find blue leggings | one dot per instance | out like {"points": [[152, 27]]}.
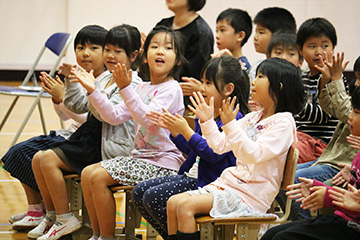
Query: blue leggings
{"points": [[150, 198]]}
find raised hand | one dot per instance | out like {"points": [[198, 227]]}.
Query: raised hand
{"points": [[203, 111], [315, 200], [348, 199], [121, 76], [336, 66], [54, 87], [343, 176], [84, 78], [354, 141], [156, 119], [190, 85], [227, 111], [300, 190], [65, 69], [324, 69]]}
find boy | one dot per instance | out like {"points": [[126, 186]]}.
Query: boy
{"points": [[233, 29], [267, 22]]}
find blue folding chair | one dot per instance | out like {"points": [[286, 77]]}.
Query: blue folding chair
{"points": [[56, 43]]}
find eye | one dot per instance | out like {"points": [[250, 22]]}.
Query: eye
{"points": [[277, 53], [79, 47], [95, 47], [107, 50], [325, 46]]}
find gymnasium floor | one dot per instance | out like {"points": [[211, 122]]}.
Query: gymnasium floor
{"points": [[12, 197]]}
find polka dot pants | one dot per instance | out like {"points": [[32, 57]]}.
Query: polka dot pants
{"points": [[150, 198]]}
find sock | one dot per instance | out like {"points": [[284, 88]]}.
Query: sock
{"points": [[95, 236], [63, 218], [35, 210], [51, 216], [188, 236], [105, 238], [172, 237]]}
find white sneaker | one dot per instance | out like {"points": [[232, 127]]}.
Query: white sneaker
{"points": [[60, 229], [18, 217], [41, 229], [26, 223]]}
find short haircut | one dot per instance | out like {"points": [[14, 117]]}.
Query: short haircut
{"points": [[287, 40], [239, 20], [276, 19], [126, 37], [179, 48], [357, 65], [285, 84], [316, 27], [196, 5], [355, 98], [90, 34], [224, 70]]}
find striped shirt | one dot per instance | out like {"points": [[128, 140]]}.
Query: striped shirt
{"points": [[312, 119]]}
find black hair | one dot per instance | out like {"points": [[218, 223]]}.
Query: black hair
{"points": [[179, 48], [276, 19], [224, 70], [355, 98], [357, 65], [196, 5], [90, 34], [286, 40], [285, 84], [126, 37], [316, 27], [239, 20]]}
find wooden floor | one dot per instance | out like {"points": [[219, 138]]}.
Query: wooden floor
{"points": [[12, 197]]}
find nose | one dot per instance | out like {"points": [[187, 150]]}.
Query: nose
{"points": [[357, 82], [256, 37], [318, 51]]}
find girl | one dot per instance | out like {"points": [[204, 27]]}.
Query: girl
{"points": [[260, 142], [94, 141], [222, 78], [17, 161], [154, 154]]}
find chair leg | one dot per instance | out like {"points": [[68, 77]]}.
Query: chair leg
{"points": [[247, 231], [8, 112], [206, 231], [151, 233], [42, 117]]}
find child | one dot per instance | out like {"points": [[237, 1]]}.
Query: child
{"points": [[356, 81], [345, 223], [233, 29], [17, 161], [222, 78], [199, 41], [94, 141], [260, 142], [267, 22], [154, 154]]}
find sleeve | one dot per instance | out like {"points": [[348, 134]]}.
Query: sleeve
{"points": [[180, 143], [65, 114], [268, 145], [314, 113], [75, 99]]}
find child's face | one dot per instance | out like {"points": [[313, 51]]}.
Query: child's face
{"points": [[208, 90], [354, 122], [357, 75], [315, 47], [262, 38], [113, 55], [161, 56], [288, 53], [226, 36], [89, 57], [260, 90]]}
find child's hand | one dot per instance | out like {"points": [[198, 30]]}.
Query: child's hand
{"points": [[221, 53], [121, 76], [84, 78], [156, 119], [227, 111], [336, 66], [348, 199], [54, 87], [300, 190], [177, 125], [324, 69], [315, 200], [203, 111], [343, 176], [65, 69], [190, 85], [254, 106], [354, 141]]}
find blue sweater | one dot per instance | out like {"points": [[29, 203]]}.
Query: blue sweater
{"points": [[211, 164]]}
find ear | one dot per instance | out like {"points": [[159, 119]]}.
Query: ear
{"points": [[228, 89], [240, 36], [300, 62], [133, 56]]}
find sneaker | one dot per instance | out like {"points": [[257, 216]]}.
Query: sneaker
{"points": [[60, 229], [18, 217], [41, 229], [27, 222]]}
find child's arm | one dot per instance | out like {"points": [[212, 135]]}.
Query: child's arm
{"points": [[347, 199], [300, 191], [343, 176], [315, 200]]}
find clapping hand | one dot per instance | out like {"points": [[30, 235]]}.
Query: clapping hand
{"points": [[227, 111], [54, 87], [86, 79], [203, 111], [121, 76]]}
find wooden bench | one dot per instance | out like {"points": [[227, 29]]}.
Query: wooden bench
{"points": [[248, 227]]}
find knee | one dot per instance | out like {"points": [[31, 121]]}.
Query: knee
{"points": [[37, 160], [138, 193], [184, 208], [172, 205]]}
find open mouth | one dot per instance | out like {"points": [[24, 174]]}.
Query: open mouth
{"points": [[159, 60]]}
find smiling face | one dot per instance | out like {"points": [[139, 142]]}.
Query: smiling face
{"points": [[226, 36], [161, 57], [89, 57], [315, 47], [113, 55], [262, 38]]}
